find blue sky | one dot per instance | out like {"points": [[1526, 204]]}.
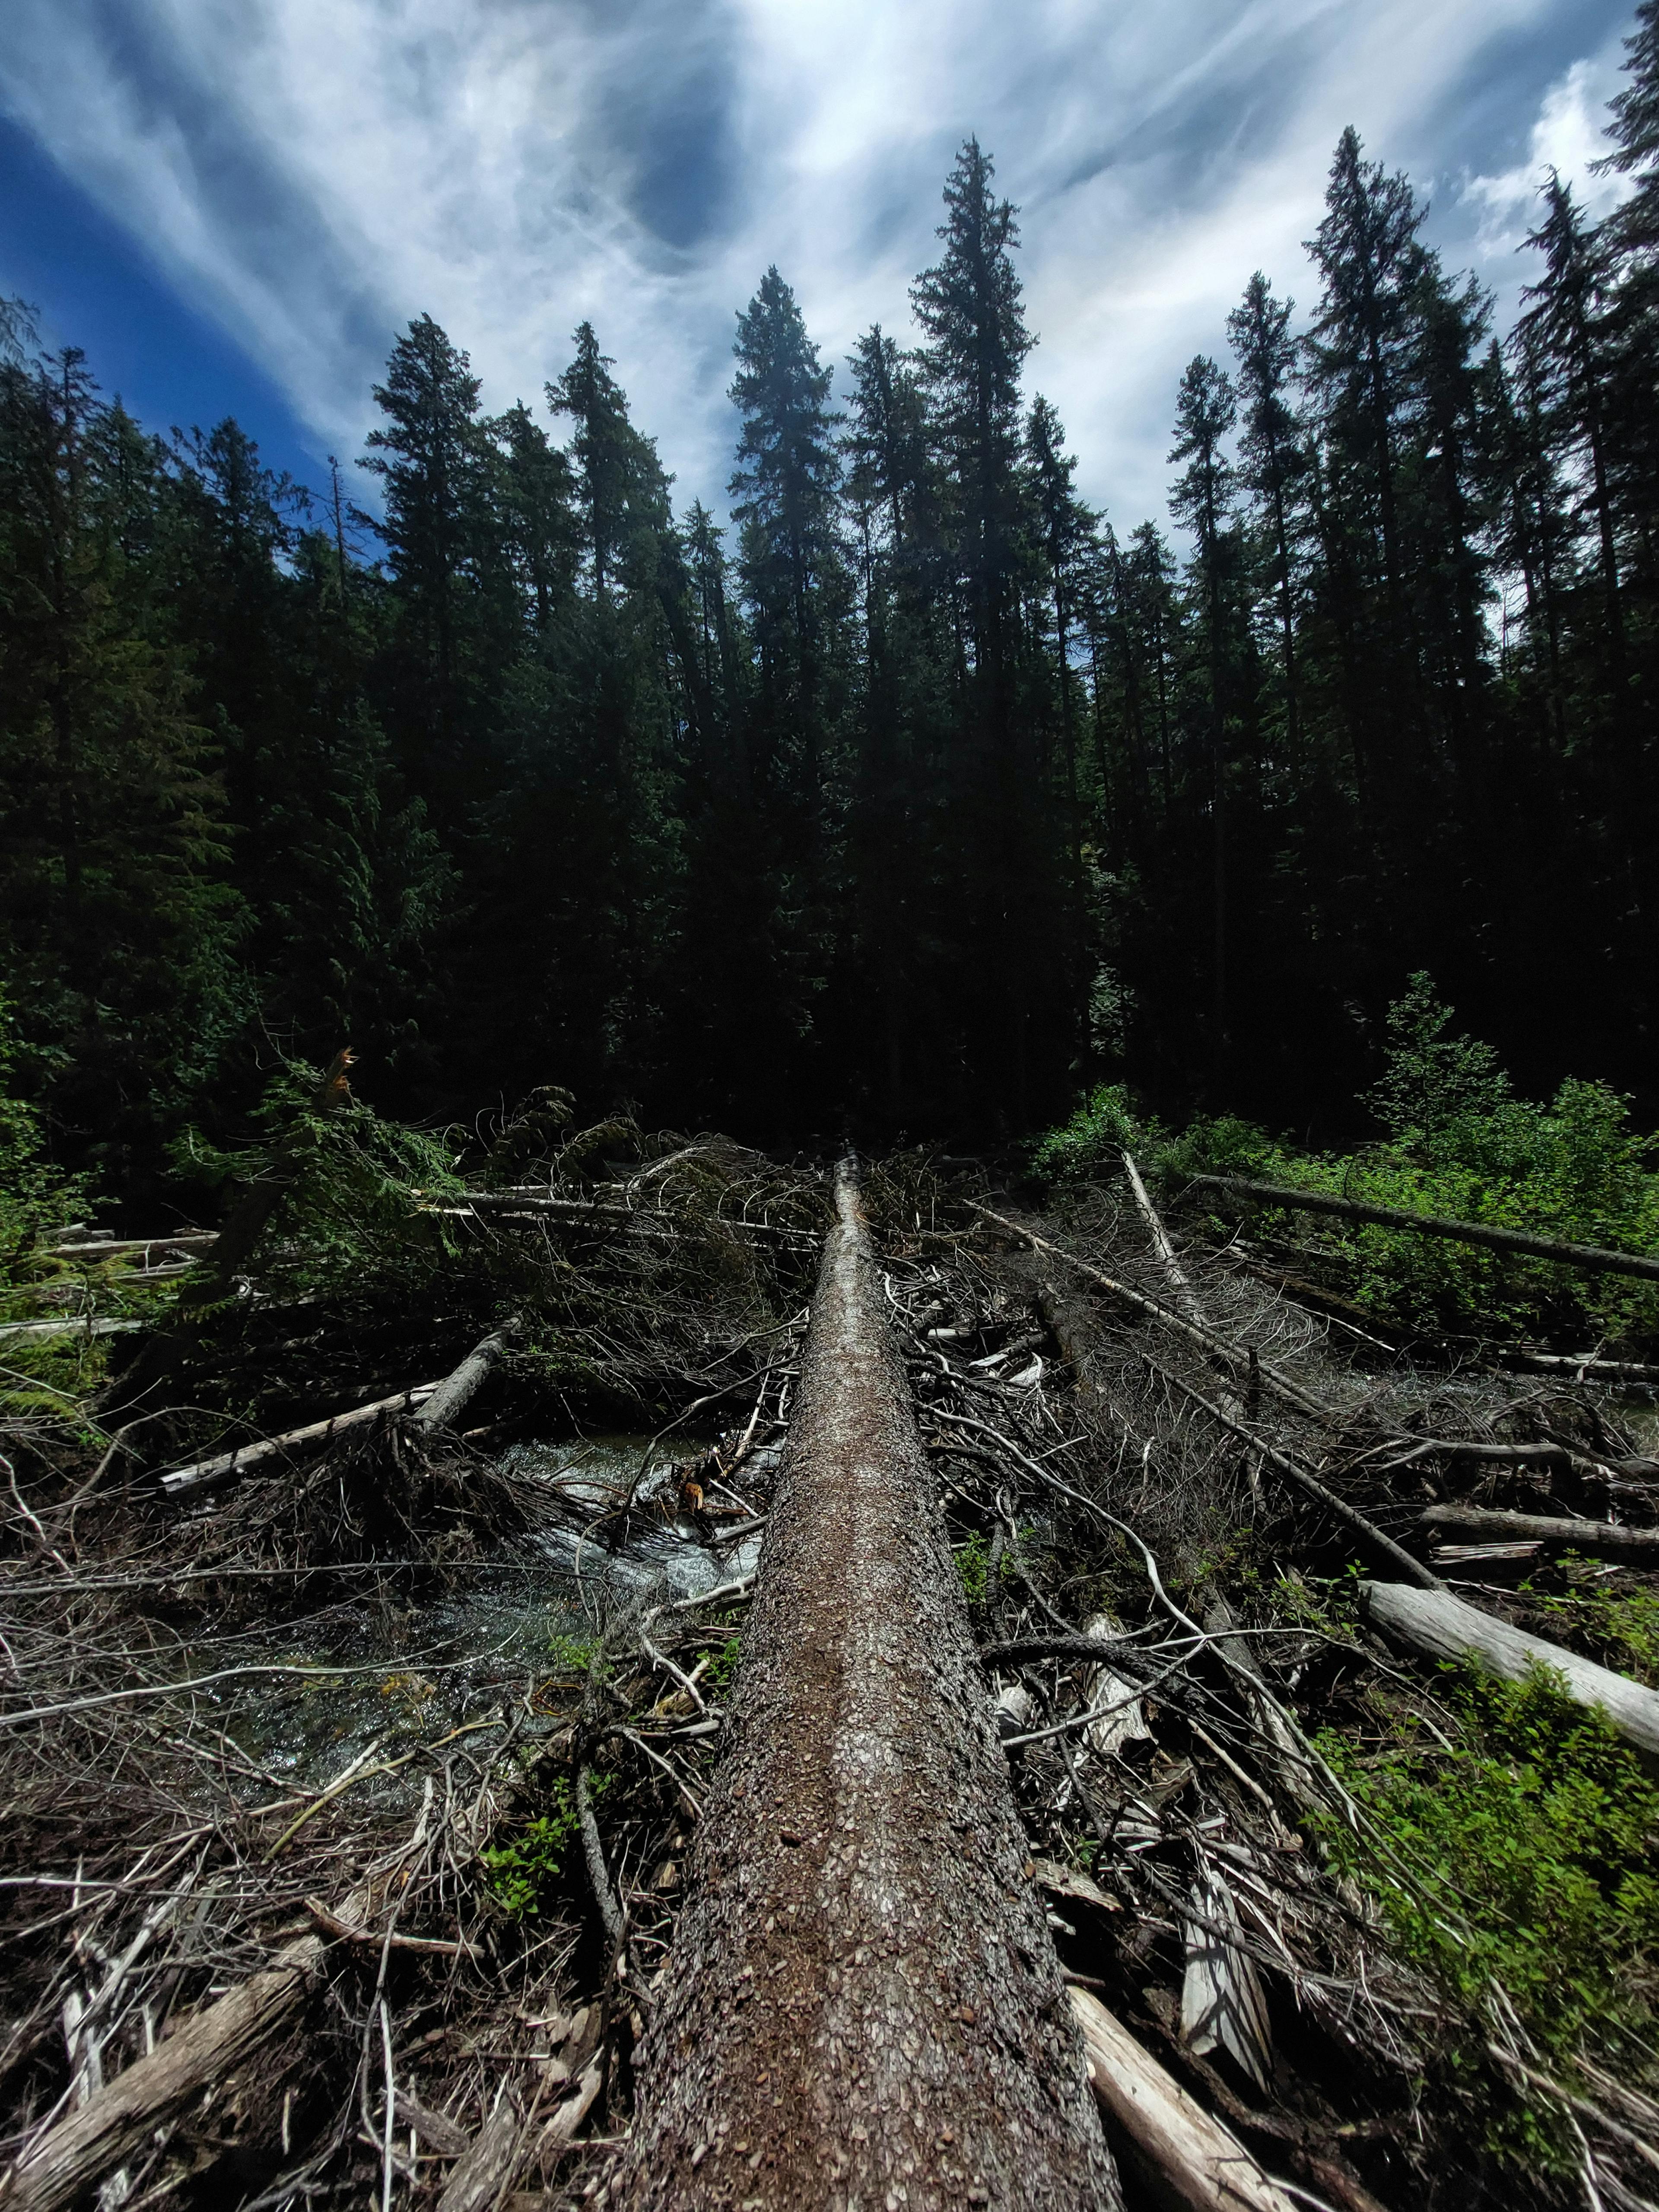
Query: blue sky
{"points": [[234, 205]]}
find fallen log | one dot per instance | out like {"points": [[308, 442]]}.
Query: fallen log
{"points": [[863, 1996], [1438, 1626], [1191, 2159], [600, 1211], [458, 1389], [1601, 1540], [1595, 1258], [119, 2118], [227, 1466], [1161, 1245]]}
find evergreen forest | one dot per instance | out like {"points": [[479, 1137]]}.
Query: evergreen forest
{"points": [[917, 797]]}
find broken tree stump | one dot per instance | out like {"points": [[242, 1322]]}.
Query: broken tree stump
{"points": [[863, 1998]]}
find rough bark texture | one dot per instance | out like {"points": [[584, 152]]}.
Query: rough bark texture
{"points": [[863, 2008], [1441, 1627]]}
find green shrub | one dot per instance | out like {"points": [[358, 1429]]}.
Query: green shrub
{"points": [[721, 1670], [520, 1872], [1089, 1144], [353, 1221], [1462, 1146], [1522, 1856]]}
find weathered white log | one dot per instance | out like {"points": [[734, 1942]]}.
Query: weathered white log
{"points": [[1191, 2160], [1441, 1627], [119, 2118], [1602, 1540], [1161, 1245], [228, 1465], [458, 1388], [69, 1326]]}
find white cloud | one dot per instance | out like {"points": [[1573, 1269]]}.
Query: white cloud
{"points": [[312, 173], [1567, 137]]}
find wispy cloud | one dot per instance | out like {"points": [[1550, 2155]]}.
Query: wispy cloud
{"points": [[1567, 137], [315, 172]]}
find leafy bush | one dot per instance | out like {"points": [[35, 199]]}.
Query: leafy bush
{"points": [[1520, 1854], [1620, 1627], [523, 1870], [1089, 1144], [1459, 1144]]}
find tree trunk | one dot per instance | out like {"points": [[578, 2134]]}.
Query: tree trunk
{"points": [[1441, 1627], [863, 1999]]}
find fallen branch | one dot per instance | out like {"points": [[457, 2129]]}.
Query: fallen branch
{"points": [[1595, 1258], [1413, 1570], [1441, 1627], [453, 1394], [228, 1465]]}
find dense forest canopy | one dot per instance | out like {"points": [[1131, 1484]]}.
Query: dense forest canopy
{"points": [[917, 797]]}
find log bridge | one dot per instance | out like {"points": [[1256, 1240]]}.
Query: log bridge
{"points": [[863, 2006]]}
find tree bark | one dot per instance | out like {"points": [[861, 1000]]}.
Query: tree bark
{"points": [[1441, 1627], [1594, 1257], [863, 1999]]}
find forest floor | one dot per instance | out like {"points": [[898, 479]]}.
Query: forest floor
{"points": [[396, 1737]]}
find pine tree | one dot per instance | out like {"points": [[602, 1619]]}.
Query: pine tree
{"points": [[117, 923], [1568, 320], [433, 457], [1201, 498], [1272, 451]]}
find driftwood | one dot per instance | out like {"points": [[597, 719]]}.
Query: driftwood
{"points": [[1441, 1627], [1190, 2159], [1595, 1258], [1601, 1540], [118, 2119], [863, 1995]]}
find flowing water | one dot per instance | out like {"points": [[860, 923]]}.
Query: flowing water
{"points": [[521, 1623]]}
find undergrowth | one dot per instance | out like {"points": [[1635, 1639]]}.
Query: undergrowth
{"points": [[1512, 1850], [522, 1870], [1458, 1144]]}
